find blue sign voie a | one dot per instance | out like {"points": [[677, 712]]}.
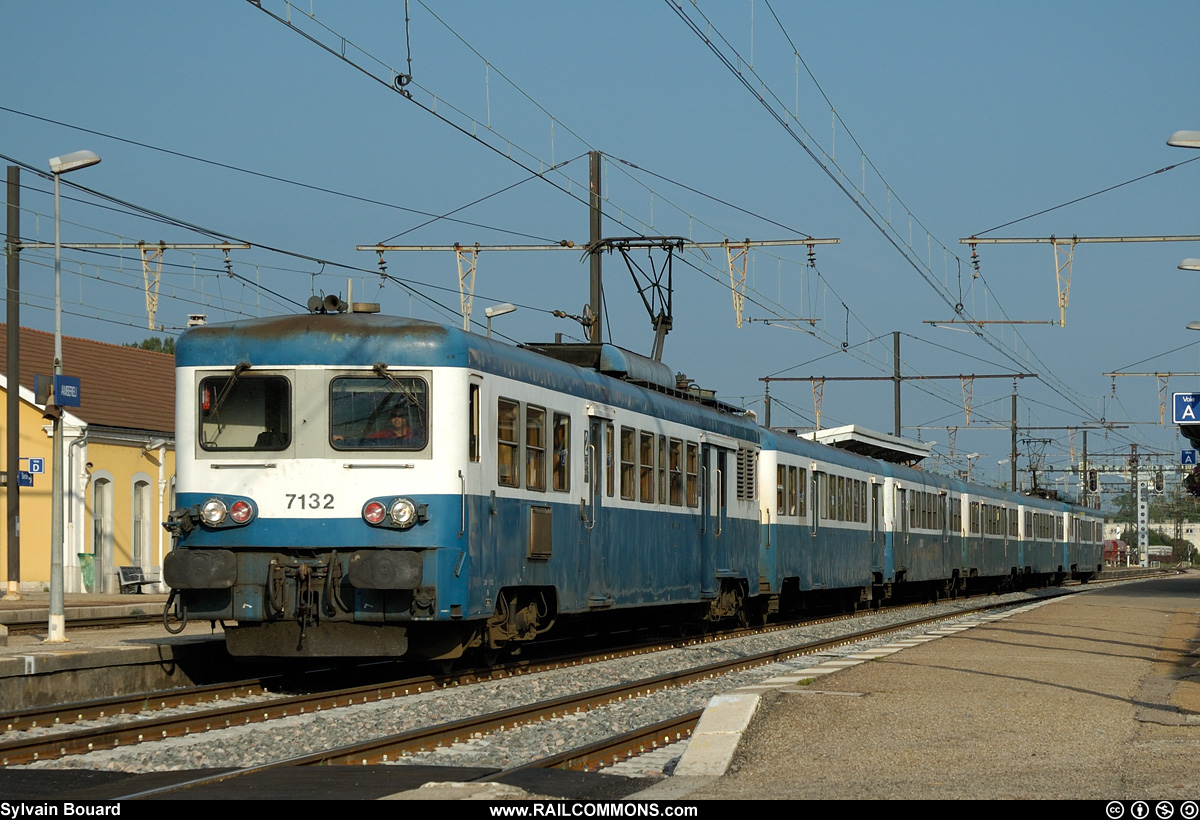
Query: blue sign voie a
{"points": [[1187, 408], [1187, 457]]}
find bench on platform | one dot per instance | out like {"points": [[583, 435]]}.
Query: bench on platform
{"points": [[132, 579]]}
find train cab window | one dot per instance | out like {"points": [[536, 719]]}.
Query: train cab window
{"points": [[646, 467], [245, 413], [535, 448], [676, 479], [508, 443], [561, 473], [628, 463], [378, 414], [693, 474]]}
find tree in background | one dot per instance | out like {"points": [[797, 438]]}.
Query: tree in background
{"points": [[155, 345]]}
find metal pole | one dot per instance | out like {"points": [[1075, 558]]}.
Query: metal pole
{"points": [[896, 377], [57, 626], [596, 295], [13, 399], [1085, 471], [1013, 455]]}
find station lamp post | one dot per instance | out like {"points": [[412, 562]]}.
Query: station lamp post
{"points": [[56, 631], [1186, 139], [497, 310]]}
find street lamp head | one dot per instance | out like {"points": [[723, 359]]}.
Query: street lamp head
{"points": [[1193, 325], [499, 310], [1190, 264], [72, 162], [1185, 139]]}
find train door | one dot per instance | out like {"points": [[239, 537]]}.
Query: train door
{"points": [[600, 478], [476, 536], [714, 501]]}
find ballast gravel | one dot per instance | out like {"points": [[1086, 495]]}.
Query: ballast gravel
{"points": [[284, 738]]}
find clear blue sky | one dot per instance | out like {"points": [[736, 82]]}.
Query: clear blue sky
{"points": [[970, 115]]}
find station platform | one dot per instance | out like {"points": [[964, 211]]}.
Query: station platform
{"points": [[1093, 696], [98, 662]]}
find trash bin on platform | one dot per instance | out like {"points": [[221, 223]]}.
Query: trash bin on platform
{"points": [[87, 568]]}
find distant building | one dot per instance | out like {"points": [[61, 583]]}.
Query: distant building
{"points": [[1189, 531], [119, 462]]}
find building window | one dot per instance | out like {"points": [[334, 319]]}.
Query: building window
{"points": [[140, 548]]}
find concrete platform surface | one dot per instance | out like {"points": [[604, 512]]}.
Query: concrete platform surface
{"points": [[1092, 696]]}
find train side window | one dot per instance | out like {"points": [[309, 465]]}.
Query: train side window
{"points": [[473, 423], [245, 413], [780, 488], [535, 448], [646, 467], [676, 465], [1012, 524], [610, 457], [693, 474], [662, 469], [562, 452], [508, 442], [628, 463], [801, 484], [974, 518]]}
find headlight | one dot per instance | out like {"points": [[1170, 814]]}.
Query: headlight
{"points": [[213, 512], [403, 512]]}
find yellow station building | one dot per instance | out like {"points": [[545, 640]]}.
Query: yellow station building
{"points": [[118, 467]]}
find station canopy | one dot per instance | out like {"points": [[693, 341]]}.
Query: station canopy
{"points": [[869, 443]]}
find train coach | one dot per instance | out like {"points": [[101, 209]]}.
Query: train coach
{"points": [[351, 484]]}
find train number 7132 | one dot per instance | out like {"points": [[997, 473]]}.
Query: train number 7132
{"points": [[310, 501]]}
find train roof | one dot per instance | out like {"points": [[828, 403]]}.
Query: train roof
{"points": [[608, 375]]}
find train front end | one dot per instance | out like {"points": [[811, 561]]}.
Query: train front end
{"points": [[312, 518]]}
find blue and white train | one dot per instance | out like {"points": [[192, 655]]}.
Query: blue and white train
{"points": [[352, 484]]}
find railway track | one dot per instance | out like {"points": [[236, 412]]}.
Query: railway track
{"points": [[265, 706], [390, 748]]}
